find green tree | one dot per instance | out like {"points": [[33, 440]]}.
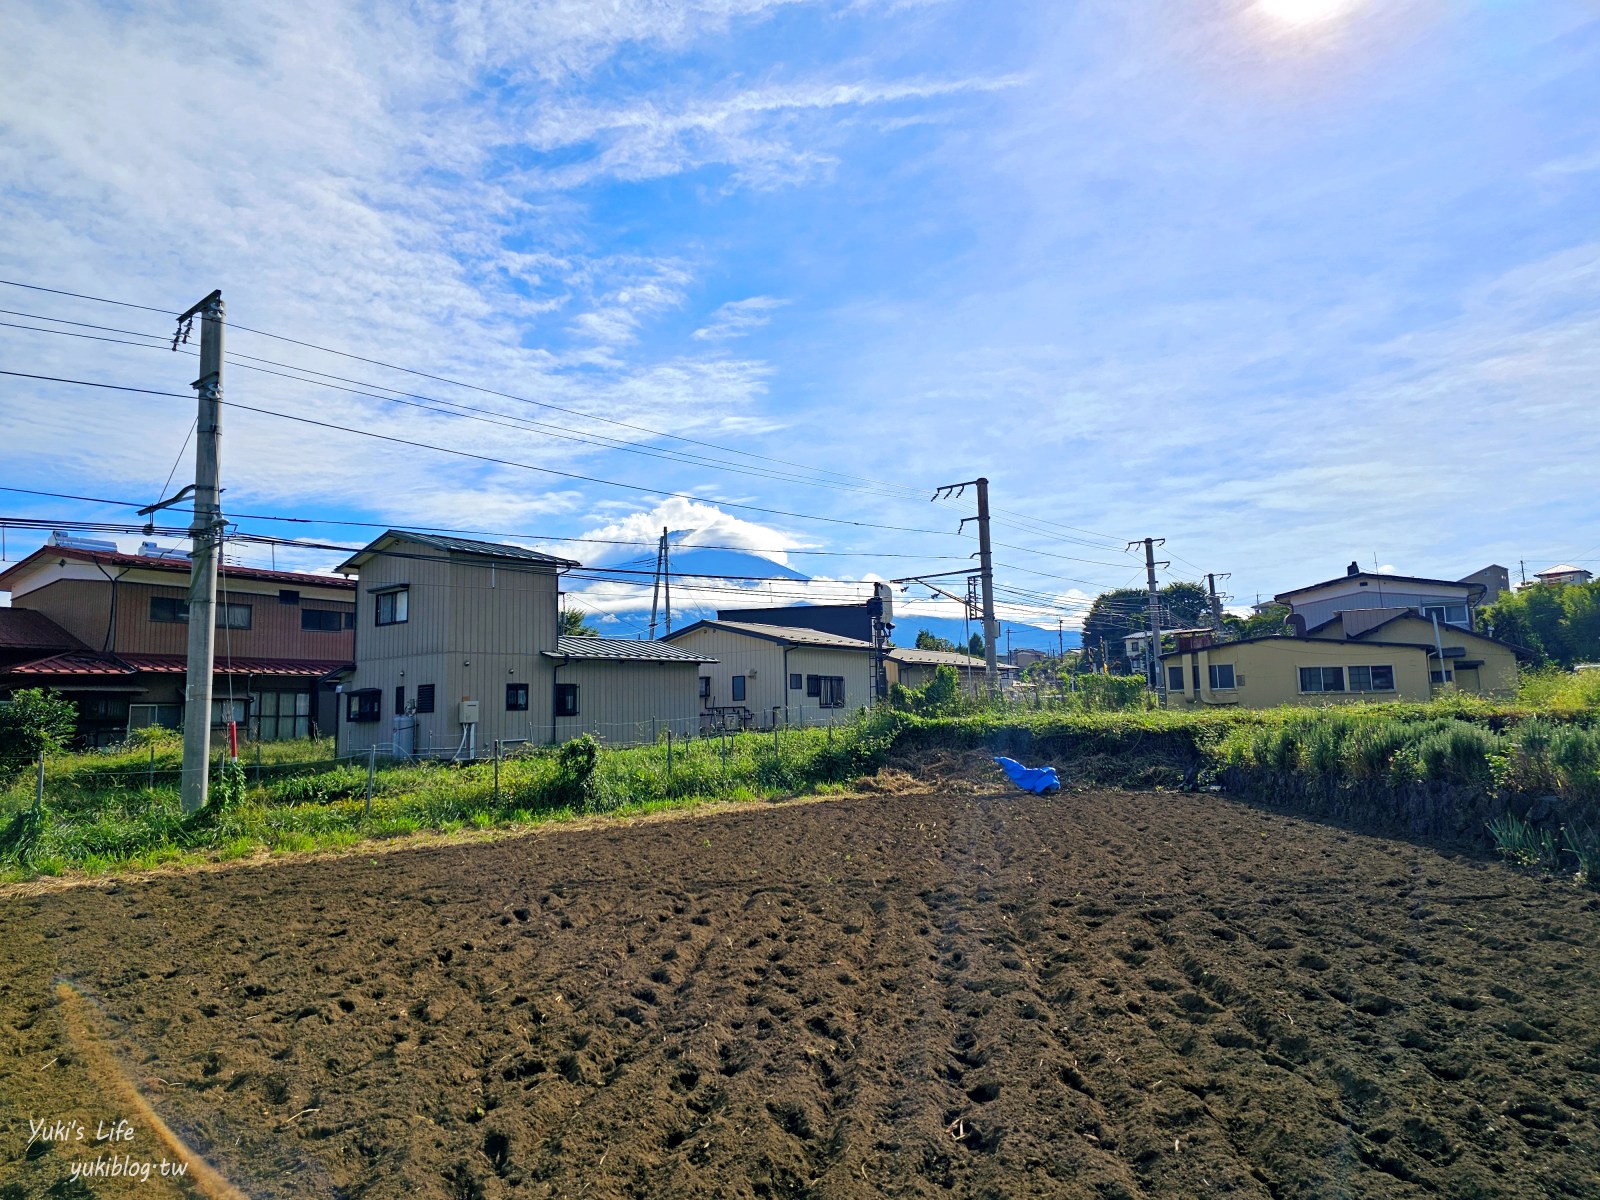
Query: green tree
{"points": [[34, 722], [975, 645], [1116, 614], [1266, 623], [574, 625], [932, 641], [1560, 623]]}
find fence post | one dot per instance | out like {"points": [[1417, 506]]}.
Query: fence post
{"points": [[669, 756], [372, 769], [38, 793], [258, 759], [497, 772], [152, 779]]}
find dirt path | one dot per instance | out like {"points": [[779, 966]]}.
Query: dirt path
{"points": [[970, 994]]}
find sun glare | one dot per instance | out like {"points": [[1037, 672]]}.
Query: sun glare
{"points": [[1304, 12]]}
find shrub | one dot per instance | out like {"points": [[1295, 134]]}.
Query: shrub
{"points": [[1457, 753], [34, 722]]}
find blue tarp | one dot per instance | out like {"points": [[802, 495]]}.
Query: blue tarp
{"points": [[1039, 780]]}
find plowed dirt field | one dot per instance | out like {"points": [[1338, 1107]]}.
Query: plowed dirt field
{"points": [[948, 992]]}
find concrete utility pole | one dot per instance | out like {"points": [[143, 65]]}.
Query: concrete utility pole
{"points": [[1216, 604], [1152, 660], [655, 595], [991, 633], [205, 534], [666, 574]]}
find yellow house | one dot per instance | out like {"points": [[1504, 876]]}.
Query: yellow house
{"points": [[1394, 659]]}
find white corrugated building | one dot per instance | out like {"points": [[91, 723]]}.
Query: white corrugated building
{"points": [[458, 645]]}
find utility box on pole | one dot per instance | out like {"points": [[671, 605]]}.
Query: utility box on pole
{"points": [[206, 535]]}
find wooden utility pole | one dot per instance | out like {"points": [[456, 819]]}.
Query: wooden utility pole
{"points": [[205, 533], [991, 633]]}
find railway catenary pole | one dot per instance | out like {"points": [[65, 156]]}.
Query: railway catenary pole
{"points": [[985, 575], [1216, 602], [1152, 657]]}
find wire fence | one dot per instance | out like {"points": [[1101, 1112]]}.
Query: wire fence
{"points": [[262, 767]]}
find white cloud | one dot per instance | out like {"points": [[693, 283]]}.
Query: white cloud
{"points": [[737, 318]]}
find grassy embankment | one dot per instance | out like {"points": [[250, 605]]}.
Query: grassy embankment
{"points": [[1524, 775]]}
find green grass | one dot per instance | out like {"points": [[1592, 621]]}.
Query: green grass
{"points": [[102, 815]]}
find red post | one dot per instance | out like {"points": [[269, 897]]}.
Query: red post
{"points": [[233, 739]]}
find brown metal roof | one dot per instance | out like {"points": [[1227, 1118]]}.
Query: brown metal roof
{"points": [[87, 662], [943, 658], [178, 566], [24, 629]]}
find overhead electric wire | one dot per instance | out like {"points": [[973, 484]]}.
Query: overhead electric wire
{"points": [[901, 488]]}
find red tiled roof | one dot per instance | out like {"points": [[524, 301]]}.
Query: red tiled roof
{"points": [[178, 566], [89, 663], [24, 629], [177, 664]]}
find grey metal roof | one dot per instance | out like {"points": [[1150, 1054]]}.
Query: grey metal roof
{"points": [[621, 649], [457, 545], [942, 658], [793, 635]]}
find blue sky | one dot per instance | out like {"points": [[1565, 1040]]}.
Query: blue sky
{"points": [[1287, 282]]}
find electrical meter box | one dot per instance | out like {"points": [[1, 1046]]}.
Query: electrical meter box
{"points": [[469, 712]]}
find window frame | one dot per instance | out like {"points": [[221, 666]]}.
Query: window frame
{"points": [[1175, 678], [316, 620], [1214, 674], [738, 689], [517, 697], [1372, 687], [797, 681], [176, 612], [831, 692], [705, 687], [566, 699], [358, 710], [399, 599], [1322, 678]]}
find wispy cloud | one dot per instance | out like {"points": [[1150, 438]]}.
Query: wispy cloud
{"points": [[737, 318]]}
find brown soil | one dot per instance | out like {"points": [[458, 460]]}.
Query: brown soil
{"points": [[966, 993]]}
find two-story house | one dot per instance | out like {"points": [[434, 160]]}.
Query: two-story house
{"points": [[110, 631], [1360, 637], [459, 646]]}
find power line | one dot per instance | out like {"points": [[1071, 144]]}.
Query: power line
{"points": [[899, 488]]}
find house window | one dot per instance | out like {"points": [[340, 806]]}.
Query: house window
{"points": [[424, 697], [813, 685], [517, 697], [796, 682], [350, 619], [738, 687], [233, 616], [282, 715], [363, 705], [321, 620], [1322, 679], [1448, 614], [393, 608], [223, 711], [288, 596], [1174, 679], [400, 700], [1441, 676], [705, 687], [1222, 677], [566, 699], [830, 691], [1372, 679], [171, 610]]}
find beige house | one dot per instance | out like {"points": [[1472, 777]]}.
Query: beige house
{"points": [[914, 668], [755, 676], [1396, 658], [458, 646]]}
